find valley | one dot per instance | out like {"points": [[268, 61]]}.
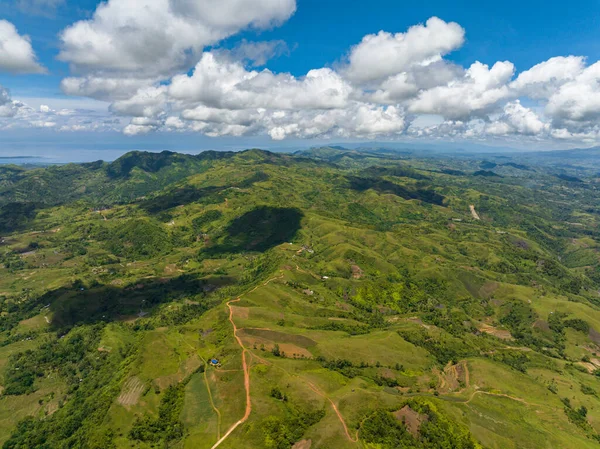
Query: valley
{"points": [[348, 298]]}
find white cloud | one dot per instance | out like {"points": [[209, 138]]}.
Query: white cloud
{"points": [[147, 59], [134, 130], [147, 102], [381, 55], [18, 114], [517, 119], [4, 96], [104, 88], [157, 37], [8, 108], [42, 124], [39, 7], [576, 104], [477, 93], [542, 80], [16, 53], [224, 84], [407, 85], [256, 54]]}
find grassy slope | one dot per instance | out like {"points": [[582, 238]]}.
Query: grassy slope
{"points": [[384, 235]]}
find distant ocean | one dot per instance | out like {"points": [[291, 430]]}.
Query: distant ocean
{"points": [[50, 157], [24, 160]]}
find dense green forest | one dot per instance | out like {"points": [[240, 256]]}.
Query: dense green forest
{"points": [[381, 299]]}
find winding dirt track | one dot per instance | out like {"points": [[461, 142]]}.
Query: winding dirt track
{"points": [[337, 412], [247, 377], [245, 366], [212, 402], [206, 383]]}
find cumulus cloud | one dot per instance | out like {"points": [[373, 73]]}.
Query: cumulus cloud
{"points": [[542, 80], [381, 55], [517, 119], [224, 84], [146, 102], [477, 92], [16, 53], [103, 87], [7, 107], [149, 60], [157, 37], [576, 104]]}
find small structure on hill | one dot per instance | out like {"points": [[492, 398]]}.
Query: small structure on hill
{"points": [[215, 362]]}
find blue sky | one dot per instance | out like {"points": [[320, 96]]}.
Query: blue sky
{"points": [[320, 32], [351, 97]]}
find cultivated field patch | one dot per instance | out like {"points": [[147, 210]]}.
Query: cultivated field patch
{"points": [[131, 392], [278, 337]]}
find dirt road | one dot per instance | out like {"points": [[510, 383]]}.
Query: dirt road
{"points": [[246, 379]]}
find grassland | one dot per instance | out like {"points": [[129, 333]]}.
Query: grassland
{"points": [[363, 285]]}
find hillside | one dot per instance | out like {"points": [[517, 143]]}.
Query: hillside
{"points": [[328, 299]]}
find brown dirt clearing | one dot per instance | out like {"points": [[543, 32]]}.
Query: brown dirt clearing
{"points": [[411, 419], [454, 377], [241, 312], [304, 444], [491, 330], [357, 272]]}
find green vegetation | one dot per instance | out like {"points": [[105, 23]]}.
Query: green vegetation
{"points": [[167, 426], [434, 430], [372, 304]]}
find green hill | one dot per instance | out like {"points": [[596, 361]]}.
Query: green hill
{"points": [[380, 300]]}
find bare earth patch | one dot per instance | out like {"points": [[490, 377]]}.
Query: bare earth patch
{"points": [[171, 268], [590, 367], [303, 444], [52, 408], [411, 419], [594, 336], [241, 312], [542, 325], [131, 392], [418, 321], [491, 330], [453, 378], [357, 272], [343, 306]]}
